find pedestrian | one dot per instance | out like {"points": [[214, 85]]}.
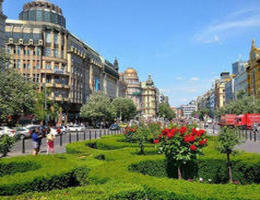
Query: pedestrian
{"points": [[50, 143], [36, 141]]}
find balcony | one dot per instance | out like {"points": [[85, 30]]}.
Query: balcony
{"points": [[55, 71], [57, 85]]}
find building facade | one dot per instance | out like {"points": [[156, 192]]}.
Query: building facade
{"points": [[188, 109], [240, 83], [44, 51], [230, 91], [2, 26], [149, 97], [253, 72], [239, 67], [144, 94]]}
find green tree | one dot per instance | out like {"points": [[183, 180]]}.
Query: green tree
{"points": [[166, 111], [141, 135], [16, 95], [227, 140], [98, 108], [125, 108]]}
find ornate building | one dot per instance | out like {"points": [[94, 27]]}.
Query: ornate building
{"points": [[2, 25], [144, 94], [150, 98], [134, 90], [253, 72], [44, 51]]}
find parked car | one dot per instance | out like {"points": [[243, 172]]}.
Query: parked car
{"points": [[4, 130], [76, 128], [23, 132], [114, 127]]}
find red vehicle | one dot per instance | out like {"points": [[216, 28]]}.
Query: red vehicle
{"points": [[228, 120], [247, 121]]}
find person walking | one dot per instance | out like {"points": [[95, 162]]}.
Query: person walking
{"points": [[50, 143], [36, 141]]}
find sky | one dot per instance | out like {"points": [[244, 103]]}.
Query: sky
{"points": [[183, 44]]}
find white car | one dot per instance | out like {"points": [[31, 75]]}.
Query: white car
{"points": [[76, 128], [23, 131], [4, 130]]}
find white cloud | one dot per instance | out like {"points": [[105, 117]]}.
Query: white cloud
{"points": [[179, 78], [194, 79], [243, 19]]}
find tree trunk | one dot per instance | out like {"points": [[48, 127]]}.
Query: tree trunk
{"points": [[229, 168], [179, 172], [141, 148]]}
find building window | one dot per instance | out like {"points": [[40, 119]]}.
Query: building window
{"points": [[55, 38], [28, 66], [18, 50], [31, 15], [38, 15], [48, 66], [47, 52], [18, 64], [48, 37], [56, 67], [47, 16], [48, 79], [38, 51], [28, 52], [38, 66], [55, 52]]}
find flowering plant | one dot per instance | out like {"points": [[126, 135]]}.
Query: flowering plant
{"points": [[129, 133], [181, 145]]}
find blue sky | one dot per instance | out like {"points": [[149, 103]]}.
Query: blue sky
{"points": [[183, 44]]}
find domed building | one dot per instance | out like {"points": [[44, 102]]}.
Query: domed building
{"points": [[144, 94], [44, 51], [134, 90]]}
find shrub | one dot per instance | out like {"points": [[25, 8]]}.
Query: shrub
{"points": [[6, 144]]}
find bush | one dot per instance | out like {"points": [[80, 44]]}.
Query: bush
{"points": [[6, 144], [216, 170], [54, 172], [17, 167]]}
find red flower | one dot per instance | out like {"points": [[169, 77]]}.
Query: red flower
{"points": [[156, 141], [183, 130], [201, 132], [193, 147], [194, 131], [192, 138], [165, 131], [187, 138], [205, 140], [160, 136], [201, 142]]}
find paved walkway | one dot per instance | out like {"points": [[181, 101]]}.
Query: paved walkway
{"points": [[59, 144]]}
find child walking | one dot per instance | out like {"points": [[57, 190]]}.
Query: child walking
{"points": [[50, 143]]}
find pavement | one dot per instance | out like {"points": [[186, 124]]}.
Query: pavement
{"points": [[250, 143], [60, 142]]}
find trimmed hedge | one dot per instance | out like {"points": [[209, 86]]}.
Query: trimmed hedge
{"points": [[54, 172], [15, 167], [109, 176], [216, 170]]}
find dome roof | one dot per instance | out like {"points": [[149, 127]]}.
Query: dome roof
{"points": [[130, 71]]}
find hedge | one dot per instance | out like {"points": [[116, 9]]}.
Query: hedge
{"points": [[51, 172], [108, 177], [215, 170]]}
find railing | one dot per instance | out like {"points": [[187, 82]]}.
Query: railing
{"points": [[249, 135], [73, 136]]}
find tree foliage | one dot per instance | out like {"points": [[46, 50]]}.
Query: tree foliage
{"points": [[243, 105], [98, 108], [125, 108], [6, 144], [166, 111], [16, 95], [227, 140]]}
